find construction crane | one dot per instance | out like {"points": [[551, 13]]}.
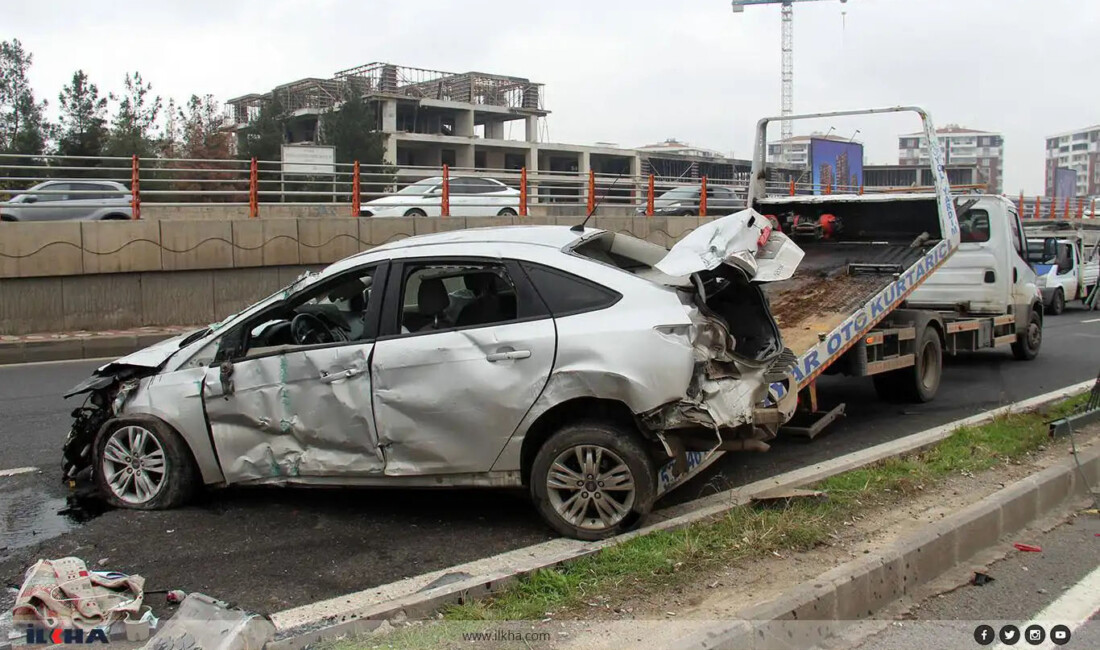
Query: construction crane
{"points": [[788, 52]]}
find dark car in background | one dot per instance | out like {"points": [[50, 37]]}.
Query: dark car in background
{"points": [[69, 200], [685, 201]]}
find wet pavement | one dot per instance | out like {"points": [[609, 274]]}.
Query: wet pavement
{"points": [[271, 548]]}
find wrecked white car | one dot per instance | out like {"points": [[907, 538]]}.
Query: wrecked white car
{"points": [[593, 368]]}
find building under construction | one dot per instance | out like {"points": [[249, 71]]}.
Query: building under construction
{"points": [[473, 120]]}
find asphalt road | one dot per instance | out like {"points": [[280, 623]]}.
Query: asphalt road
{"points": [[270, 548], [1028, 589]]}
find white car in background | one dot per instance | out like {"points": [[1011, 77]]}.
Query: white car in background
{"points": [[470, 196]]}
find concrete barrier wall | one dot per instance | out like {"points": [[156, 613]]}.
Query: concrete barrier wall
{"points": [[57, 277]]}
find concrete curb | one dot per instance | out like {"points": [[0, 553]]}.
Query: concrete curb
{"points": [[420, 596], [857, 589], [75, 348]]}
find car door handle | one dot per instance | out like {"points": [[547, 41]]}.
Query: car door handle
{"points": [[505, 356], [328, 378]]}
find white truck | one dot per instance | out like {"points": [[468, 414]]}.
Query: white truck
{"points": [[891, 282], [1067, 260]]}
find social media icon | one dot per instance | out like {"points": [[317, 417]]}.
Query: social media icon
{"points": [[1010, 634], [1059, 635], [984, 634], [1035, 634]]}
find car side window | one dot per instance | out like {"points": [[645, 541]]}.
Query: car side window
{"points": [[57, 192], [443, 296], [482, 186], [461, 186], [88, 191], [341, 310], [566, 294], [1017, 234]]}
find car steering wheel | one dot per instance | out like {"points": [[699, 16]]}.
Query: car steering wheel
{"points": [[307, 329]]}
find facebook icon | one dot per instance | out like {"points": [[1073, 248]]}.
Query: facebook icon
{"points": [[984, 635]]}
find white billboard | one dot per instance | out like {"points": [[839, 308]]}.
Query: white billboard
{"points": [[308, 159]]}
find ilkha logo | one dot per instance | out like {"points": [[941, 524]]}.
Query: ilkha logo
{"points": [[58, 636]]}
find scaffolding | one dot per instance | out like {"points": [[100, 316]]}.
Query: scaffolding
{"points": [[402, 82]]}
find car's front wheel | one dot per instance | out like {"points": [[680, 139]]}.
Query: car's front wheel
{"points": [[592, 480], [144, 465]]}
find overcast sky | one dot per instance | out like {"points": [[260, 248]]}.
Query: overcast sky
{"points": [[631, 73]]}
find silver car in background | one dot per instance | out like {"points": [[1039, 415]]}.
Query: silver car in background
{"points": [[61, 200], [592, 368]]}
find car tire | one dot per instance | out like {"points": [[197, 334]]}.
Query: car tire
{"points": [[918, 383], [116, 217], [507, 212], [7, 217], [415, 212], [178, 481], [621, 455], [1057, 303], [1030, 340]]}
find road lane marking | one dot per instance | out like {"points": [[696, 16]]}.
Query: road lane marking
{"points": [[1091, 320], [1073, 609], [4, 473]]}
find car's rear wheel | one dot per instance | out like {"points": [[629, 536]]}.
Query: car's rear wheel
{"points": [[592, 480], [507, 212], [144, 465], [415, 212]]}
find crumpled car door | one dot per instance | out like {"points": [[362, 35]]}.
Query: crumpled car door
{"points": [[744, 240], [302, 413]]}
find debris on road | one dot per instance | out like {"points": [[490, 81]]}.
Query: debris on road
{"points": [[981, 579], [1027, 548], [176, 596], [783, 497], [204, 623], [65, 594]]}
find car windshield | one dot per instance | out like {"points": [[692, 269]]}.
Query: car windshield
{"points": [[681, 193], [421, 187]]}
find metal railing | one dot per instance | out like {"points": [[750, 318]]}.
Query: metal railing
{"points": [[179, 182]]}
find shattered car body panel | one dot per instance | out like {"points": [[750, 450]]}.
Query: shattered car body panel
{"points": [[690, 356]]}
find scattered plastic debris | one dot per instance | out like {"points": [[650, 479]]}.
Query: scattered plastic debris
{"points": [[981, 579], [1028, 548], [203, 623], [176, 596]]}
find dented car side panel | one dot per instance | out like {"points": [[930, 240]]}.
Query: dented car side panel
{"points": [[301, 413]]}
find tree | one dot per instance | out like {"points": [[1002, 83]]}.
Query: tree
{"points": [[202, 137], [23, 127], [351, 128], [83, 126], [264, 136], [132, 130]]}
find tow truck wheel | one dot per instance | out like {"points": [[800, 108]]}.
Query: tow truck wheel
{"points": [[1028, 342], [592, 480], [919, 382], [1057, 303]]}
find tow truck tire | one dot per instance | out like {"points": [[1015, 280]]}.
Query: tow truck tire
{"points": [[1057, 303], [1030, 340], [622, 458], [917, 383]]}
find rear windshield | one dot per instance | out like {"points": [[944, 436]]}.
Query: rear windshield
{"points": [[626, 253]]}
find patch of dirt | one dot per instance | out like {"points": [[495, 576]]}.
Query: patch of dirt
{"points": [[662, 617], [808, 305]]}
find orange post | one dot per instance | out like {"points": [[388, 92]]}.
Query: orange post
{"points": [[591, 191], [445, 200], [1080, 209], [1065, 211], [1038, 209], [253, 190], [523, 192], [355, 189], [135, 189], [649, 198], [861, 189], [1021, 208], [792, 187], [703, 198], [828, 188], [1053, 208]]}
